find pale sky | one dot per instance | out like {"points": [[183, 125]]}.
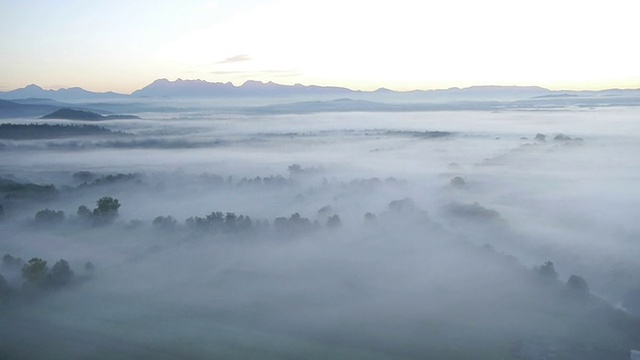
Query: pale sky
{"points": [[123, 45]]}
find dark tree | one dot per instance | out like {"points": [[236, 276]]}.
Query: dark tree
{"points": [[547, 271], [325, 210], [36, 273], [83, 212], [405, 206], [47, 216], [457, 182], [9, 263], [294, 168], [164, 222], [577, 287], [370, 217], [106, 210], [294, 224], [83, 176], [281, 223], [231, 222], [334, 221], [244, 222], [215, 219], [61, 273]]}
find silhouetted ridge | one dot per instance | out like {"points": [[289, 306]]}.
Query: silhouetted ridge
{"points": [[71, 114], [202, 88]]}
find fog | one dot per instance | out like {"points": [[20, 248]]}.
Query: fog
{"points": [[445, 220]]}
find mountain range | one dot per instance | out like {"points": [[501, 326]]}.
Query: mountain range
{"points": [[163, 88], [260, 97]]}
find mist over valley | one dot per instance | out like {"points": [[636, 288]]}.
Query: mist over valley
{"points": [[332, 224]]}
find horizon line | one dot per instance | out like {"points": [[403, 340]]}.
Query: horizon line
{"points": [[382, 88]]}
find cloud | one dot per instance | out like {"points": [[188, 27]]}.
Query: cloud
{"points": [[236, 59]]}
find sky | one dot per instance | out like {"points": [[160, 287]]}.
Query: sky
{"points": [[122, 46]]}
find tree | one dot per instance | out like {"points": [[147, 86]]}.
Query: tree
{"points": [[106, 210], [61, 273], [334, 221], [36, 273], [164, 222], [244, 222], [577, 287], [9, 263], [402, 206], [370, 217], [457, 182], [83, 212], [548, 271], [47, 216]]}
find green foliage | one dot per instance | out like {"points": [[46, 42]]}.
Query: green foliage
{"points": [[403, 206], [457, 182], [218, 221], [83, 212], [36, 273], [106, 210], [46, 131], [47, 216], [107, 206], [10, 263], [577, 287], [334, 221], [370, 217], [83, 176], [164, 222], [294, 224], [114, 179], [61, 274], [16, 191], [547, 271]]}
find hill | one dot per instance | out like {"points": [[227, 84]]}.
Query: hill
{"points": [[71, 114]]}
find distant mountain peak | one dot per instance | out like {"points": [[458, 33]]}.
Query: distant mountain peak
{"points": [[32, 87], [63, 94], [250, 88], [252, 83]]}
